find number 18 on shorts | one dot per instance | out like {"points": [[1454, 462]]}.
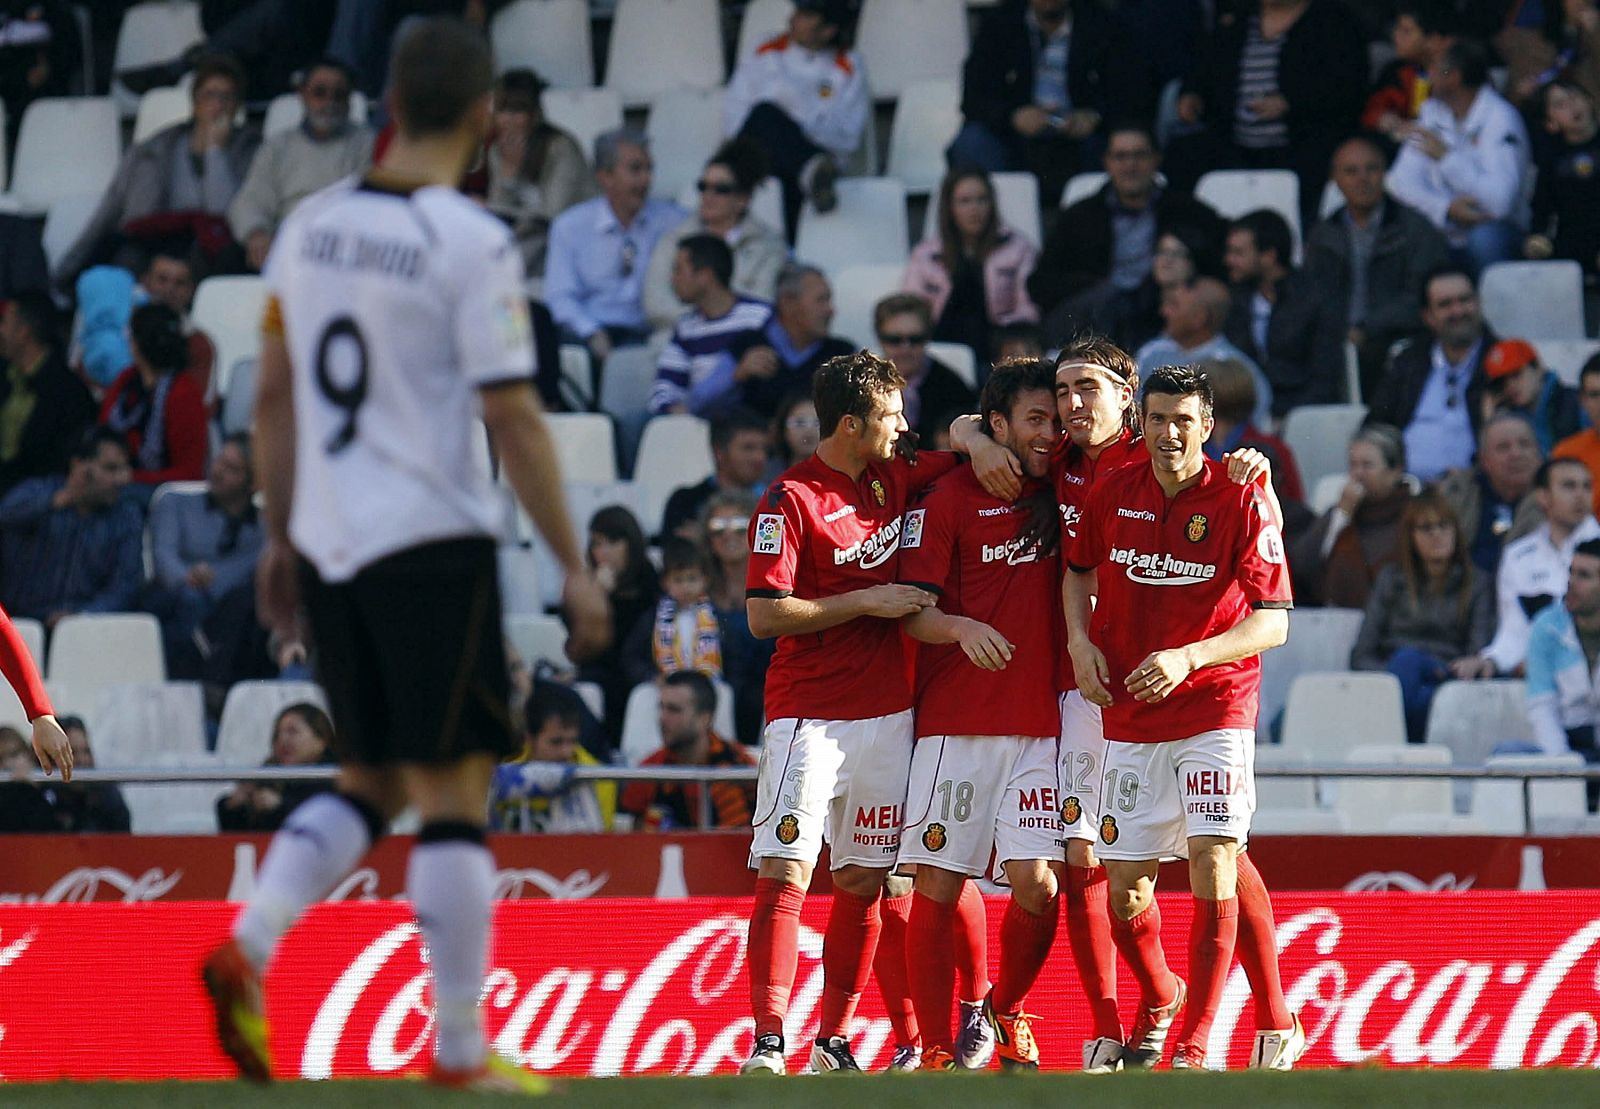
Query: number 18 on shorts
{"points": [[971, 795]]}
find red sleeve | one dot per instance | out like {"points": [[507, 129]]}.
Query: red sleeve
{"points": [[1263, 572], [113, 391], [1088, 549], [776, 532], [19, 668], [928, 540], [186, 436]]}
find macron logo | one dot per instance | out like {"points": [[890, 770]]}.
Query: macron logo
{"points": [[1137, 514]]}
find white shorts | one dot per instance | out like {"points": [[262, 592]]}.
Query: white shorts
{"points": [[976, 796], [1081, 765], [842, 782], [1154, 796]]}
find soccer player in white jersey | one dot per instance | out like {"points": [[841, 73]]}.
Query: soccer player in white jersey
{"points": [[395, 317]]}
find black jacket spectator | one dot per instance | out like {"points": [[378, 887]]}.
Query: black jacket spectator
{"points": [[1304, 355], [62, 411], [1077, 252], [1401, 387]]}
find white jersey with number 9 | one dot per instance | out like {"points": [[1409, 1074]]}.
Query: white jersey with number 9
{"points": [[396, 307]]}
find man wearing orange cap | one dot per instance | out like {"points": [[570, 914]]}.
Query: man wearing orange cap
{"points": [[1520, 383]]}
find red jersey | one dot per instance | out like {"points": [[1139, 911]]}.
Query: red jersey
{"points": [[1176, 571], [819, 534], [967, 546], [1073, 473]]}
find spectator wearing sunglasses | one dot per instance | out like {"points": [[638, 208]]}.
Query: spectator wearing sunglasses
{"points": [[903, 323], [291, 166], [759, 252], [594, 269]]}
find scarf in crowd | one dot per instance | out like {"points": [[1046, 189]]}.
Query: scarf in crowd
{"points": [[145, 411], [704, 653]]}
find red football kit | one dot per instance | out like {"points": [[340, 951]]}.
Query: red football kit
{"points": [[1176, 571], [965, 545], [1073, 473], [819, 534]]}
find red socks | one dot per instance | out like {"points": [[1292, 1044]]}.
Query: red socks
{"points": [[1211, 943], [774, 951], [1139, 941], [1025, 942], [847, 949], [1089, 932], [972, 944], [1258, 948], [889, 966], [932, 970]]}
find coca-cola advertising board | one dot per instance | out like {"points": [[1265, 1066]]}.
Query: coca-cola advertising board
{"points": [[621, 987]]}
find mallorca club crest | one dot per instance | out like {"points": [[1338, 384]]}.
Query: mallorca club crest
{"points": [[1108, 830], [788, 829], [1196, 529], [1071, 810], [933, 837], [878, 493]]}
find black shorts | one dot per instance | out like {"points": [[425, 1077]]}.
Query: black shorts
{"points": [[411, 654]]}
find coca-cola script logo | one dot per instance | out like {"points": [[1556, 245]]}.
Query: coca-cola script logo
{"points": [[83, 884]]}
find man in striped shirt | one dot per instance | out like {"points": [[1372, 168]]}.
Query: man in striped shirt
{"points": [[701, 274], [688, 703]]}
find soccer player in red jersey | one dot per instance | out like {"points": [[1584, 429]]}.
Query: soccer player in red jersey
{"points": [[983, 775], [1198, 560], [837, 748]]}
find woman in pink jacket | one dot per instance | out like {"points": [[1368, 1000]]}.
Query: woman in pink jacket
{"points": [[975, 272]]}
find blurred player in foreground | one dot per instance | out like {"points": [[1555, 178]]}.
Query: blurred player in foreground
{"points": [[1197, 562], [396, 315]]}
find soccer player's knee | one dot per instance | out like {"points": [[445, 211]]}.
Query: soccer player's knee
{"points": [[862, 881], [1129, 903], [1035, 891], [938, 884], [1080, 852], [1212, 871]]}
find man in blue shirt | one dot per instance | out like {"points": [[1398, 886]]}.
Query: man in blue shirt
{"points": [[1563, 652], [599, 250], [73, 544]]}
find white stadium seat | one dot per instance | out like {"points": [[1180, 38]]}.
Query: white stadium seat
{"points": [[65, 222], [1081, 186], [239, 402], [1320, 640], [926, 119], [674, 451], [685, 129], [1533, 300], [286, 111], [657, 45], [1566, 356], [762, 20], [1233, 192], [91, 651], [67, 146], [641, 730], [539, 638], [134, 723], [1327, 491], [626, 381], [1374, 806], [960, 358], [1327, 714], [149, 34], [1559, 807], [1319, 435], [869, 225], [1471, 719], [244, 735], [585, 114], [902, 42], [550, 37], [228, 309], [159, 109], [856, 290], [585, 445], [175, 809]]}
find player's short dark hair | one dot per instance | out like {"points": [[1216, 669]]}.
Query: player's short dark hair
{"points": [[1101, 351], [38, 312], [850, 385], [678, 553], [219, 65], [1180, 381], [1469, 58], [89, 443], [1546, 473], [551, 702], [440, 68], [1590, 547], [1591, 368], [709, 252], [1439, 273], [1009, 380], [1268, 231], [701, 691], [728, 424]]}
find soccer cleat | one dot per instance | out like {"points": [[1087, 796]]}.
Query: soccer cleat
{"points": [[234, 986], [975, 1040], [832, 1054], [1278, 1050], [939, 1059], [906, 1059], [495, 1076], [1102, 1056], [1189, 1056], [1013, 1038], [766, 1057], [1149, 1036]]}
